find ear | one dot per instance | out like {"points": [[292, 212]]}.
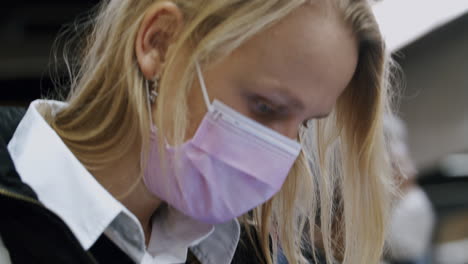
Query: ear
{"points": [[158, 29]]}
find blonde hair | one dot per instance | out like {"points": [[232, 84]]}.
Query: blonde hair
{"points": [[341, 183]]}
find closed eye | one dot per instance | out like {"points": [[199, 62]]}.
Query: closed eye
{"points": [[265, 110]]}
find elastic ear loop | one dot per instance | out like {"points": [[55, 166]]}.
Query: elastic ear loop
{"points": [[203, 87]]}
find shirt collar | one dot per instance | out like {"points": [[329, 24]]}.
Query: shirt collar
{"points": [[178, 232], [220, 246], [61, 182], [64, 185]]}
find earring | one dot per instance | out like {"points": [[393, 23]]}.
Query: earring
{"points": [[153, 92]]}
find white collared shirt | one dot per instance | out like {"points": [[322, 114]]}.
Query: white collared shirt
{"points": [[64, 185]]}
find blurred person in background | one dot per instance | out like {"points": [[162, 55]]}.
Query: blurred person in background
{"points": [[185, 115], [413, 218]]}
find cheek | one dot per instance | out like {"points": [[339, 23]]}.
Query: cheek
{"points": [[288, 128], [219, 88], [228, 91]]}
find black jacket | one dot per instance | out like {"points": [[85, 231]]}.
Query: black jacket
{"points": [[34, 234]]}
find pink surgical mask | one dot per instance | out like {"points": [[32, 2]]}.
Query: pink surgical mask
{"points": [[232, 165]]}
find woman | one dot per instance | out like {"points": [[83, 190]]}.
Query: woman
{"points": [[188, 117]]}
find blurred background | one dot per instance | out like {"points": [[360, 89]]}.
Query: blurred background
{"points": [[429, 40]]}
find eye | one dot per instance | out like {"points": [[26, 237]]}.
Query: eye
{"points": [[264, 110], [263, 107]]}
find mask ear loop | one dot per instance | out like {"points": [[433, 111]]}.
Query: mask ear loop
{"points": [[203, 87]]}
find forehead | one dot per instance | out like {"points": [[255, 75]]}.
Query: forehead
{"points": [[311, 53]]}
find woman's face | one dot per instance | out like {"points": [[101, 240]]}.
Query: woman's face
{"points": [[286, 75]]}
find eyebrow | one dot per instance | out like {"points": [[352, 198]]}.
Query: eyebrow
{"points": [[291, 100]]}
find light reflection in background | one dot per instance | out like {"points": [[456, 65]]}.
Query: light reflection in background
{"points": [[404, 21]]}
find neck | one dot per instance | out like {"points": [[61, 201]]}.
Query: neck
{"points": [[124, 181], [143, 205]]}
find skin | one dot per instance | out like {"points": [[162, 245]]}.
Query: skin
{"points": [[282, 77]]}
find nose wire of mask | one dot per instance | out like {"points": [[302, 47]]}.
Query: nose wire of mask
{"points": [[203, 87]]}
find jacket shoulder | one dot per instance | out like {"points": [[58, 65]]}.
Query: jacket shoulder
{"points": [[9, 120], [10, 181]]}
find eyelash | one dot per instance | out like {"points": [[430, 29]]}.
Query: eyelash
{"points": [[263, 109], [271, 114]]}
